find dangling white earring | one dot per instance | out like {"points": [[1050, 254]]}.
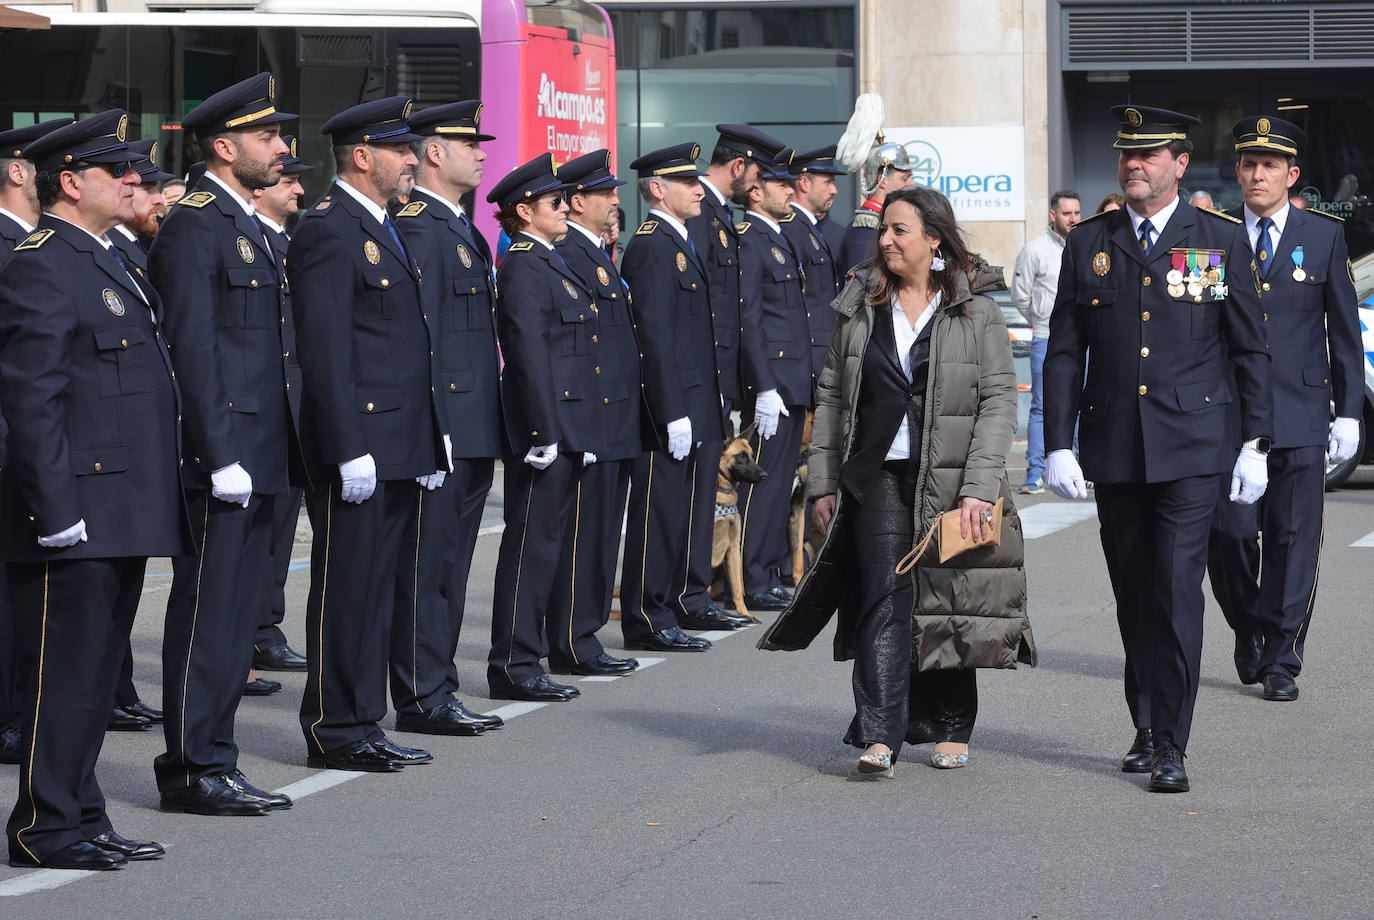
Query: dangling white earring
{"points": [[937, 263]]}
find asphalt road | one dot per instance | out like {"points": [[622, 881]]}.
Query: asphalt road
{"points": [[715, 785]]}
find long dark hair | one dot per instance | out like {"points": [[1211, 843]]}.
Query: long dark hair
{"points": [[937, 219]]}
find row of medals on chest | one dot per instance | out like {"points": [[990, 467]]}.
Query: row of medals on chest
{"points": [[1194, 270]]}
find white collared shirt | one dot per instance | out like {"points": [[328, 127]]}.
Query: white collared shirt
{"points": [[456, 208], [542, 242], [1280, 219], [132, 237], [246, 205], [596, 240], [670, 221], [28, 227], [905, 336], [1159, 220], [802, 210], [376, 210], [720, 199], [272, 224], [770, 222]]}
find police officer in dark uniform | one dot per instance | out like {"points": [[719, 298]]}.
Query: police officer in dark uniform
{"points": [[1152, 292], [461, 293], [91, 489], [372, 425], [771, 287], [1305, 286], [274, 205], [585, 577], [813, 192], [222, 286], [551, 392], [18, 217], [672, 312], [741, 152]]}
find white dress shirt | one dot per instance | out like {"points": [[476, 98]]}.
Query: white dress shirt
{"points": [[1159, 220], [1280, 219], [906, 335]]}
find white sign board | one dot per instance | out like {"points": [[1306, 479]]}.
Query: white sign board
{"points": [[982, 171]]}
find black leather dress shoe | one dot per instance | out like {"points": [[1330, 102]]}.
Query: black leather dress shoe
{"points": [[10, 738], [1166, 770], [441, 720], [537, 689], [80, 855], [672, 639], [738, 619], [601, 664], [767, 601], [405, 756], [129, 849], [213, 795], [359, 756], [261, 687], [240, 782], [121, 721], [710, 619], [1248, 651], [140, 708], [278, 658], [1141, 755], [488, 722], [569, 689], [1279, 687]]}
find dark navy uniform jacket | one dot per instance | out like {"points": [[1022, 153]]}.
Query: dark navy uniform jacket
{"points": [[1153, 407], [368, 358], [673, 319], [1306, 319], [11, 235], [461, 291], [623, 404], [551, 386], [92, 401], [771, 285], [226, 314], [713, 234], [821, 284]]}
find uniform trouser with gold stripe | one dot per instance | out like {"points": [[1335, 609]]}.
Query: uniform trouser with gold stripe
{"points": [[72, 620], [272, 611], [431, 584], [539, 519], [9, 675], [1272, 598], [585, 579], [353, 562], [671, 512], [207, 643], [765, 506]]}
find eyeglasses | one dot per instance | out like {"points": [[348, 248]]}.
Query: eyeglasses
{"points": [[115, 169], [558, 200]]}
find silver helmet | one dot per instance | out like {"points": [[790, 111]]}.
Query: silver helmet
{"points": [[863, 149]]}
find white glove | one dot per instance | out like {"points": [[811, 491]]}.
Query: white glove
{"points": [[448, 451], [588, 458], [1063, 474], [359, 478], [70, 537], [680, 437], [1344, 440], [767, 407], [232, 484], [541, 458], [1250, 476], [433, 481]]}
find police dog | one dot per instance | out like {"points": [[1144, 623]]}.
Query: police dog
{"points": [[798, 517], [727, 559]]}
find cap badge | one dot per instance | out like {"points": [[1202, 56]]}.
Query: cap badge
{"points": [[477, 115], [696, 151], [681, 262], [371, 252], [463, 256], [405, 112], [1102, 263], [152, 153], [112, 301], [778, 256], [1133, 118], [568, 286], [724, 241], [123, 128], [1262, 126], [602, 275], [245, 249], [293, 147]]}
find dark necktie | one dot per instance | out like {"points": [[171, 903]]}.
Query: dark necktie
{"points": [[391, 228], [1146, 240], [1264, 247], [114, 251]]}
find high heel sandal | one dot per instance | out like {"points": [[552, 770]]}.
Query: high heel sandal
{"points": [[876, 763], [942, 760]]}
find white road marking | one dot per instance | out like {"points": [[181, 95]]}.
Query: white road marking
{"points": [[1366, 540], [1045, 518], [715, 635], [493, 529], [318, 782], [508, 712], [599, 678], [649, 662]]}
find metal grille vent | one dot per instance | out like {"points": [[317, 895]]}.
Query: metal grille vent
{"points": [[334, 49], [1095, 39], [428, 74]]}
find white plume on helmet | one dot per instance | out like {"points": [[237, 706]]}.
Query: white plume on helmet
{"points": [[862, 149]]}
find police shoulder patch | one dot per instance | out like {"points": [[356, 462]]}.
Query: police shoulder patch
{"points": [[197, 199], [521, 246], [323, 204], [413, 209], [743, 226], [34, 240], [1327, 214], [1092, 217], [1223, 215], [649, 226], [788, 219]]}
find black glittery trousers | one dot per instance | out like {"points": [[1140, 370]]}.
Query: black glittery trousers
{"points": [[893, 701]]}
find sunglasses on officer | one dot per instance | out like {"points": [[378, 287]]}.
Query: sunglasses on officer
{"points": [[114, 169]]}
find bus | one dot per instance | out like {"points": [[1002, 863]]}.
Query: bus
{"points": [[544, 68]]}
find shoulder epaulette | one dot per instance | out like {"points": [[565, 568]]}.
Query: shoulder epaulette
{"points": [[560, 238], [34, 240], [1223, 215], [649, 226], [413, 209], [323, 204], [521, 246], [788, 218], [197, 199], [1326, 214], [1092, 217], [743, 226], [866, 219]]}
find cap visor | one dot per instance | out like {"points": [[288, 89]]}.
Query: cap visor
{"points": [[124, 155], [156, 175], [291, 169]]}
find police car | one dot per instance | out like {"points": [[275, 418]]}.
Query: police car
{"points": [[1364, 288]]}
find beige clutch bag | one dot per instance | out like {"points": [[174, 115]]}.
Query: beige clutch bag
{"points": [[949, 540]]}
